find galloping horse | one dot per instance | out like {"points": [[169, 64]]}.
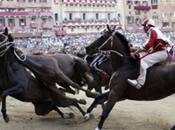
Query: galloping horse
{"points": [[159, 84], [62, 69], [59, 68], [15, 81]]}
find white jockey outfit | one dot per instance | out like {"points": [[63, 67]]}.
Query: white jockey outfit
{"points": [[160, 46]]}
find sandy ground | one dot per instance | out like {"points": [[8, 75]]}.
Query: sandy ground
{"points": [[126, 115]]}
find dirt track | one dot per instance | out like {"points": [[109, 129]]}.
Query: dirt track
{"points": [[126, 115]]}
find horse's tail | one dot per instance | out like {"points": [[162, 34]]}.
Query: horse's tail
{"points": [[83, 66]]}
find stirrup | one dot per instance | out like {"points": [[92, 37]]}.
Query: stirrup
{"points": [[134, 83], [138, 86]]}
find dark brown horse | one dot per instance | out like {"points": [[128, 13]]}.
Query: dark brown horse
{"points": [[15, 81], [62, 69], [160, 80]]}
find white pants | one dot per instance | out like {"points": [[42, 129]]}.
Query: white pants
{"points": [[148, 61]]}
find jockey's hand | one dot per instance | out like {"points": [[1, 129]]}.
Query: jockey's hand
{"points": [[133, 54]]}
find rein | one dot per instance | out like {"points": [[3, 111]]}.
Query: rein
{"points": [[8, 45], [114, 51], [19, 57], [121, 55]]}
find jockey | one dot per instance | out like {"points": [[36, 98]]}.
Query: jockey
{"points": [[159, 45], [98, 60]]}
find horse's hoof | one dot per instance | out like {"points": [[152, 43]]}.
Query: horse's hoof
{"points": [[6, 119], [71, 115], [68, 115], [83, 101], [97, 128], [88, 116]]}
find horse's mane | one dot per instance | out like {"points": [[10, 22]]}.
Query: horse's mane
{"points": [[124, 41]]}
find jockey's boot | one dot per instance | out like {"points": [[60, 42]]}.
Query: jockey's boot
{"points": [[105, 78], [134, 83]]}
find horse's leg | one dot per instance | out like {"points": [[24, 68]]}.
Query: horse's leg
{"points": [[79, 108], [66, 88], [68, 104], [98, 100], [65, 103], [15, 90], [89, 95], [112, 99], [65, 116], [100, 91], [73, 84], [54, 89]]}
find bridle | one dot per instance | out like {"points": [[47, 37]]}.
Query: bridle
{"points": [[110, 38], [7, 45], [114, 51]]}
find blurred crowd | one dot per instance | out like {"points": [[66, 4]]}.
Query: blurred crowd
{"points": [[74, 44], [52, 44]]}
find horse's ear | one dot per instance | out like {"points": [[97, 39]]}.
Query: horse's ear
{"points": [[108, 28], [6, 31]]}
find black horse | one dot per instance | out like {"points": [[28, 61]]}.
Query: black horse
{"points": [[159, 84], [15, 81]]}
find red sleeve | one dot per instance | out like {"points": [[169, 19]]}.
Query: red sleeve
{"points": [[151, 41]]}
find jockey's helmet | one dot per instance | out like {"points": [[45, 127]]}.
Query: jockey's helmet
{"points": [[148, 23]]}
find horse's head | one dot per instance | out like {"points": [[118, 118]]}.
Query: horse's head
{"points": [[3, 37], [115, 43], [104, 42], [6, 41], [109, 40]]}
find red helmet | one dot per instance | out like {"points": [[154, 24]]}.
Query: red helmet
{"points": [[148, 23]]}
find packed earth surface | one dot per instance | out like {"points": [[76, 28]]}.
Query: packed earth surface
{"points": [[126, 115]]}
